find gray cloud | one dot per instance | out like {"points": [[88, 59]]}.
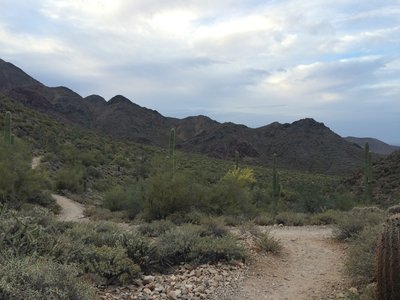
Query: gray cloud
{"points": [[251, 62]]}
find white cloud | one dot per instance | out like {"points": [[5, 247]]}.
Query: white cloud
{"points": [[283, 59]]}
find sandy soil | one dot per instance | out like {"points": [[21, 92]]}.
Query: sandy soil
{"points": [[36, 162], [70, 210], [310, 267]]}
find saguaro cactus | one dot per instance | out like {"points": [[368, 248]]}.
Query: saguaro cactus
{"points": [[172, 150], [236, 159], [367, 174], [388, 260], [276, 186], [7, 129]]}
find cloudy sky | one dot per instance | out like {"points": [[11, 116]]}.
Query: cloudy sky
{"points": [[246, 61]]}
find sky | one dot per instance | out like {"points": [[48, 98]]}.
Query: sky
{"points": [[252, 62]]}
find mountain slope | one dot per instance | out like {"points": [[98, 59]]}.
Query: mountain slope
{"points": [[302, 145], [386, 183], [375, 145]]}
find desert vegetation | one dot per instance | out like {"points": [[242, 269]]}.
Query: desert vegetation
{"points": [[178, 208]]}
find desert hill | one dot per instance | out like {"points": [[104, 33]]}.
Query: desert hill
{"points": [[386, 180], [303, 145], [375, 145]]}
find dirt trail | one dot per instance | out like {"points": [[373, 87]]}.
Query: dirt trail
{"points": [[36, 162], [70, 209], [310, 267]]}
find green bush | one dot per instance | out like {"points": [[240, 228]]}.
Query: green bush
{"points": [[19, 183], [360, 264], [228, 197], [233, 220], [325, 218], [291, 218], [71, 178], [213, 249], [267, 243], [116, 199], [163, 196], [111, 265], [213, 227], [139, 249], [184, 244], [36, 279], [354, 221], [155, 228], [20, 236], [175, 245], [264, 219]]}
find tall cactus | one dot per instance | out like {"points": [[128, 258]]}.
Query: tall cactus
{"points": [[172, 150], [367, 174], [7, 129], [236, 159], [388, 260], [276, 186]]}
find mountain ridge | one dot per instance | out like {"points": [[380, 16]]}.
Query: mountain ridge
{"points": [[304, 144], [375, 145]]}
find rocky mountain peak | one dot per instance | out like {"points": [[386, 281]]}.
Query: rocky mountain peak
{"points": [[119, 99]]}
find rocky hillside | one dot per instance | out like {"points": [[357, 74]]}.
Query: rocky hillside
{"points": [[303, 145], [386, 180], [375, 145]]}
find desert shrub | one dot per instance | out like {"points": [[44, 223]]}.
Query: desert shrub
{"points": [[116, 199], [96, 213], [264, 219], [213, 227], [98, 234], [212, 249], [139, 249], [20, 236], [44, 198], [244, 177], [233, 220], [395, 209], [291, 218], [194, 217], [36, 279], [250, 227], [94, 172], [360, 264], [268, 243], [155, 228], [184, 244], [174, 246], [228, 197], [354, 221], [19, 183], [110, 264], [325, 218], [163, 196], [71, 178]]}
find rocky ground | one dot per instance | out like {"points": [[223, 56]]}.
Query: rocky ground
{"points": [[309, 267], [186, 282]]}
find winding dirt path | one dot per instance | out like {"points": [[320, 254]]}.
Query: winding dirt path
{"points": [[70, 209], [310, 267]]}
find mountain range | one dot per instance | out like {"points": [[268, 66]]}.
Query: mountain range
{"points": [[375, 145], [305, 145]]}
